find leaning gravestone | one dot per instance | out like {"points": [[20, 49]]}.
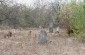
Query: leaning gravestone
{"points": [[42, 39]]}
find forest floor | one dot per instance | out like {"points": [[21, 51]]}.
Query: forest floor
{"points": [[23, 43]]}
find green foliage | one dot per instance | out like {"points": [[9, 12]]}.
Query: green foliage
{"points": [[78, 20]]}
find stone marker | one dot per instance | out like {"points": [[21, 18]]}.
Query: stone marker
{"points": [[50, 25], [42, 39]]}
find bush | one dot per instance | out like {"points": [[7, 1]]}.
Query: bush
{"points": [[78, 20]]}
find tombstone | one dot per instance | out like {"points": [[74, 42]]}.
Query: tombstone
{"points": [[42, 39], [50, 25], [57, 29], [40, 27], [57, 25]]}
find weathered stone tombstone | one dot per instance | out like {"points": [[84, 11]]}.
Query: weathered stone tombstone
{"points": [[42, 39], [57, 29], [50, 25], [40, 27]]}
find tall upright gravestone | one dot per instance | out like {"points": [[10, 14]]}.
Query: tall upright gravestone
{"points": [[50, 25], [57, 25]]}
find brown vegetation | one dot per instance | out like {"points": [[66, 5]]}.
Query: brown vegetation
{"points": [[24, 44], [8, 35]]}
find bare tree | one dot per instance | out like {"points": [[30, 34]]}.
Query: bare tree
{"points": [[56, 8]]}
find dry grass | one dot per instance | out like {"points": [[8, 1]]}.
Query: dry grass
{"points": [[21, 43]]}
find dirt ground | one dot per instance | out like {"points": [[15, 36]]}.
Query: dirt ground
{"points": [[23, 43]]}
